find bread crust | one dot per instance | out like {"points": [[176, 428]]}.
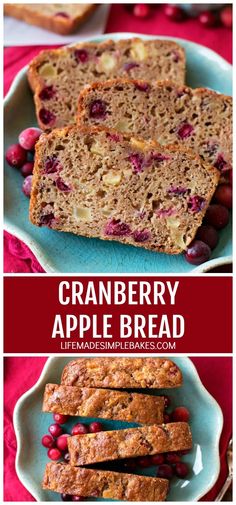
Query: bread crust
{"points": [[64, 478], [61, 25], [128, 443], [104, 404]]}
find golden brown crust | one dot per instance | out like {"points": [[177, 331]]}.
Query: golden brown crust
{"points": [[103, 403], [124, 373], [128, 443], [64, 478], [37, 17]]}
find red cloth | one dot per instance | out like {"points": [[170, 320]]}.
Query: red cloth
{"points": [[215, 373], [120, 20]]}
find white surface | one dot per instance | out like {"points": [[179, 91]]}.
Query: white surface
{"points": [[19, 33]]}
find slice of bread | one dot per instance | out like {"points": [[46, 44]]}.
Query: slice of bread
{"points": [[58, 75], [60, 18], [97, 183], [194, 118]]}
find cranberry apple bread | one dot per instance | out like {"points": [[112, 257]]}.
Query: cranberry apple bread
{"points": [[121, 373], [128, 443], [58, 75], [97, 183], [194, 118], [59, 18], [64, 478], [104, 403]]}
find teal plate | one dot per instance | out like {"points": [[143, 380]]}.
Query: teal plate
{"points": [[67, 253], [206, 425]]}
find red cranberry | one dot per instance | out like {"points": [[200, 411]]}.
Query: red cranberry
{"points": [[137, 161], [27, 185], [141, 235], [217, 215], [79, 429], [95, 427], [185, 130], [167, 418], [224, 195], [207, 18], [142, 10], [221, 164], [117, 228], [62, 186], [209, 235], [142, 86], [47, 117], [47, 93], [60, 418], [130, 66], [144, 462], [66, 497], [29, 137], [181, 470], [196, 203], [54, 454], [226, 16], [97, 109], [157, 459], [81, 55], [16, 156], [48, 441], [174, 12], [167, 401], [52, 165], [27, 168], [197, 252], [165, 471], [62, 14], [172, 458], [47, 219], [180, 414], [77, 498], [55, 430], [62, 443]]}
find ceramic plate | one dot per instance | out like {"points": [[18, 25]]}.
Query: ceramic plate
{"points": [[63, 252], [206, 425]]}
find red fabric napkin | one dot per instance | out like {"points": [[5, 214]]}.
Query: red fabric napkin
{"points": [[120, 19], [22, 373]]}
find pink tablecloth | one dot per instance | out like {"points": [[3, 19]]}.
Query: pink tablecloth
{"points": [[22, 373], [17, 257]]}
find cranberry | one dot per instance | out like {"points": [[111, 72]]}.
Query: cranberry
{"points": [[177, 190], [175, 55], [29, 137], [185, 130], [47, 117], [141, 236], [221, 164], [226, 16], [16, 156], [181, 470], [130, 66], [62, 186], [208, 234], [52, 165], [47, 219], [27, 185], [217, 215], [66, 457], [55, 430], [95, 427], [224, 195], [27, 168], [98, 109], [79, 429], [207, 18], [66, 497], [172, 458], [141, 10], [157, 459], [114, 136], [62, 14], [117, 228], [196, 203], [48, 441], [60, 418], [144, 462], [197, 252], [136, 160], [142, 86], [180, 414], [167, 401], [54, 454], [165, 471], [174, 12], [77, 498], [62, 442], [167, 418], [81, 55], [47, 93]]}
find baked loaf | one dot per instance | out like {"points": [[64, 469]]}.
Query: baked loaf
{"points": [[121, 373], [96, 183], [104, 403], [64, 478], [128, 443], [58, 75], [59, 18], [194, 118]]}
